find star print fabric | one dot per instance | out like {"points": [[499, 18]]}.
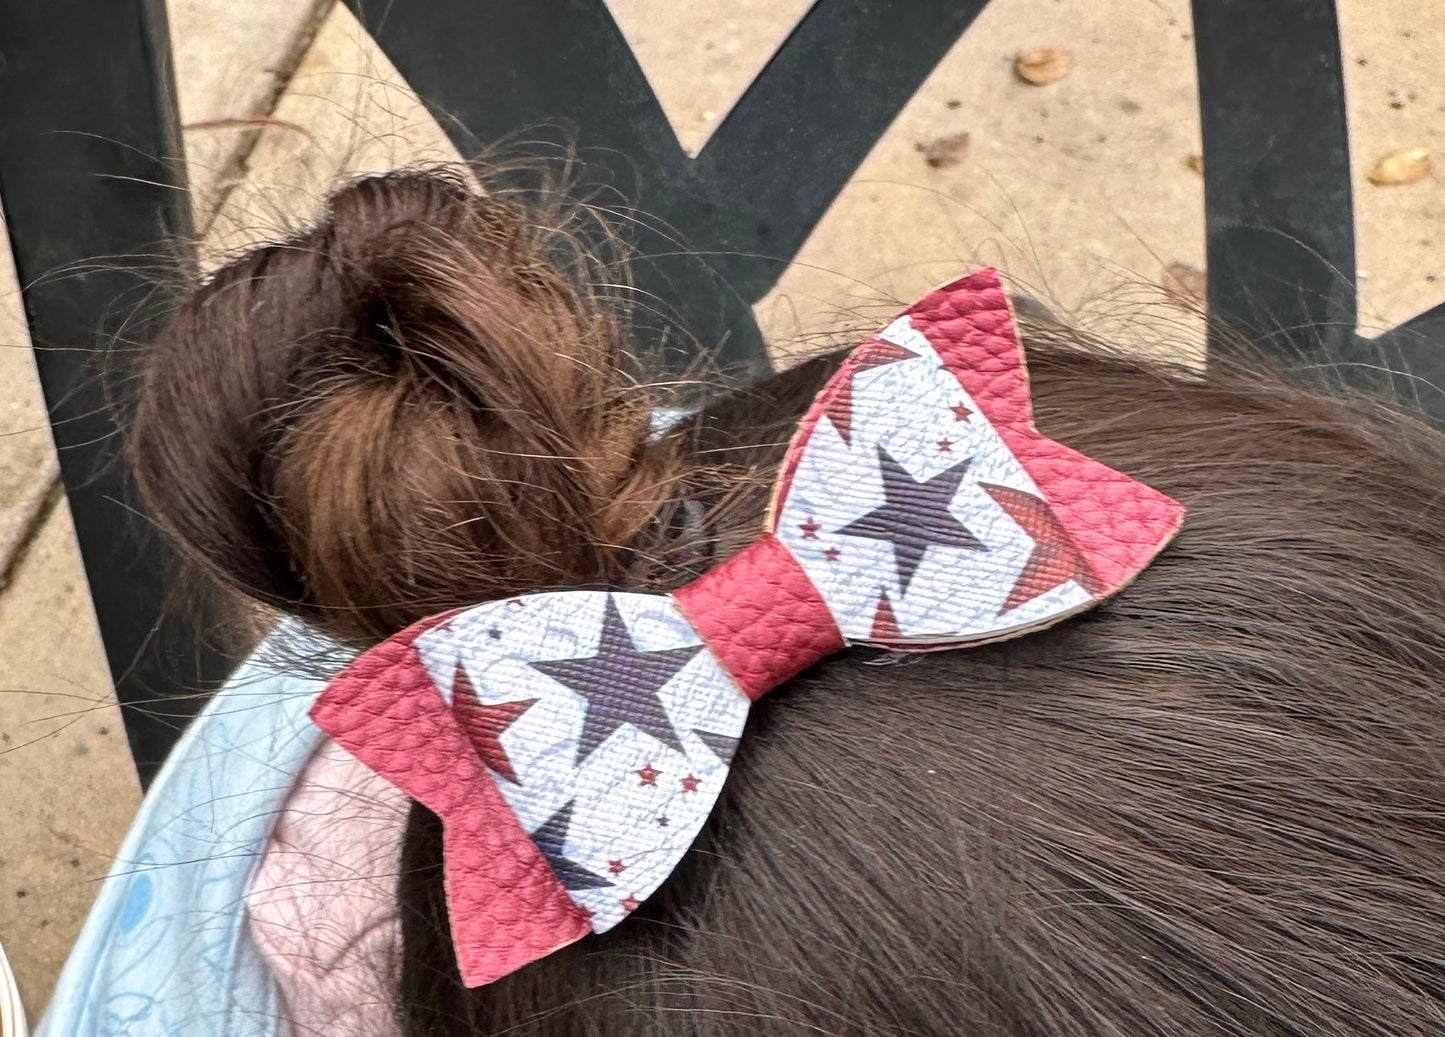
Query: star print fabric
{"points": [[909, 513], [615, 763], [927, 510], [574, 743]]}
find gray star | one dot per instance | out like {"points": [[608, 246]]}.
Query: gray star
{"points": [[551, 839], [914, 515], [722, 746], [620, 684]]}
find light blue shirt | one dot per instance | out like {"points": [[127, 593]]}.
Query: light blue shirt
{"points": [[166, 951]]}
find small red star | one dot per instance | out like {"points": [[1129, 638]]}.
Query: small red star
{"points": [[832, 554], [649, 775], [961, 413], [810, 529], [630, 905], [616, 867], [945, 445], [690, 784], [1054, 560]]}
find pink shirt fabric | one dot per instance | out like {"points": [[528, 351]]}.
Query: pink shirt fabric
{"points": [[322, 907]]}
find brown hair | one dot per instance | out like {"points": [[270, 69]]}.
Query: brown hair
{"points": [[1210, 806], [421, 401]]}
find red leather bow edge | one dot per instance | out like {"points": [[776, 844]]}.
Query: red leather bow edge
{"points": [[506, 905]]}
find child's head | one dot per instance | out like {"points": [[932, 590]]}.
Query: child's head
{"points": [[1210, 806]]}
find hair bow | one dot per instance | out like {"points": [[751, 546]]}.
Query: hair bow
{"points": [[573, 743]]}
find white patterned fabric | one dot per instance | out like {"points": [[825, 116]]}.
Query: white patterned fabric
{"points": [[607, 775]]}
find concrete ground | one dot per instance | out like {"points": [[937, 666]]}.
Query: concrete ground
{"points": [[1081, 191]]}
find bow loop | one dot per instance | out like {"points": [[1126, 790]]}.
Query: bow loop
{"points": [[573, 744], [509, 907], [926, 508]]}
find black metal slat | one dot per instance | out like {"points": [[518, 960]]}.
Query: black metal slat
{"points": [[94, 198], [742, 209], [1414, 354], [1278, 202], [1280, 206], [802, 128]]}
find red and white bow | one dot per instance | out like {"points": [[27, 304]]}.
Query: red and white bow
{"points": [[574, 742]]}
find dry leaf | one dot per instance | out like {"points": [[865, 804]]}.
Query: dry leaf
{"points": [[1042, 67], [1184, 285], [1403, 167], [1196, 163], [945, 151], [1029, 308]]}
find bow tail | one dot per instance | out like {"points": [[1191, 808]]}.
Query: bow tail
{"points": [[507, 906]]}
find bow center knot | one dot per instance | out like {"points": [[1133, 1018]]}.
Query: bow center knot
{"points": [[761, 616]]}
